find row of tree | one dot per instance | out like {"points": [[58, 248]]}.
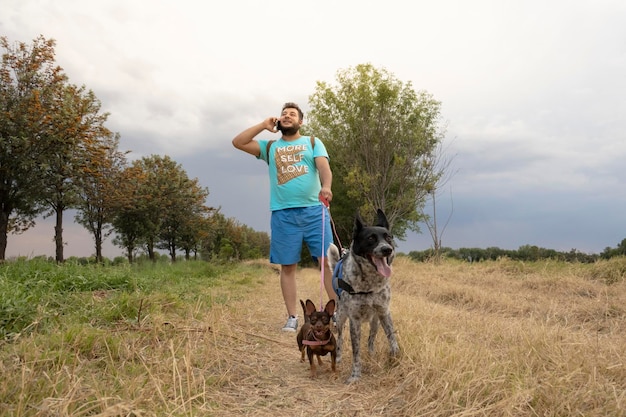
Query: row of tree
{"points": [[57, 154], [527, 253]]}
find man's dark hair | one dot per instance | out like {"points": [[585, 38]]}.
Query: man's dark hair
{"points": [[291, 105]]}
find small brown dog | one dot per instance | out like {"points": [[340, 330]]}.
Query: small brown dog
{"points": [[316, 335]]}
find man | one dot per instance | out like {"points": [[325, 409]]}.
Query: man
{"points": [[300, 188]]}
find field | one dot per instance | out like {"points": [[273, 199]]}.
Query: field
{"points": [[498, 338]]}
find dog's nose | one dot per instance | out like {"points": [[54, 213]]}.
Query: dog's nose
{"points": [[387, 251]]}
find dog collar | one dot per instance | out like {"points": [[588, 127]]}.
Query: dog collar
{"points": [[315, 342]]}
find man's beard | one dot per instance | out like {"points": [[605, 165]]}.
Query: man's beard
{"points": [[291, 130]]}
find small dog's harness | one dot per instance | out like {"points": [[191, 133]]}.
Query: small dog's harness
{"points": [[339, 284]]}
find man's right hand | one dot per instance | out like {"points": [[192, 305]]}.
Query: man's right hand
{"points": [[270, 124]]}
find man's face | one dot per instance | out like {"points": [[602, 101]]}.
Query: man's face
{"points": [[290, 121]]}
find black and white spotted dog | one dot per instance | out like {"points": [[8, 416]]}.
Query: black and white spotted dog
{"points": [[361, 280]]}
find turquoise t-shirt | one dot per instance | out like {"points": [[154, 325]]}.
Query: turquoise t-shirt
{"points": [[294, 180]]}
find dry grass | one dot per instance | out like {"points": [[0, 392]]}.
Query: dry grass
{"points": [[490, 339]]}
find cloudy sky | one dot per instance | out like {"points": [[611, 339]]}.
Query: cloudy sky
{"points": [[533, 97]]}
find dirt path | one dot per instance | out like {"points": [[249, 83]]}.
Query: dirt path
{"points": [[261, 368], [475, 340]]}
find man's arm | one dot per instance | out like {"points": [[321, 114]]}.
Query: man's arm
{"points": [[326, 177], [244, 141]]}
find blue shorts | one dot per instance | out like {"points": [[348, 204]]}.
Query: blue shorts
{"points": [[291, 227]]}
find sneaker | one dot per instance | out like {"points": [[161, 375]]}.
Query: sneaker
{"points": [[291, 325]]}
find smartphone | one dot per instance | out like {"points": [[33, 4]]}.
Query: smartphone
{"points": [[278, 125]]}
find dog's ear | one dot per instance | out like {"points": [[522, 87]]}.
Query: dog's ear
{"points": [[330, 307], [310, 307], [358, 224], [381, 219]]}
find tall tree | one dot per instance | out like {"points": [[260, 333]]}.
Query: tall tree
{"points": [[29, 79], [380, 134], [98, 184], [441, 165], [130, 221], [195, 229], [183, 209], [163, 177], [216, 232], [76, 124]]}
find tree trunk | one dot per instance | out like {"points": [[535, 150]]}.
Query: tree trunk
{"points": [[150, 248], [173, 253], [99, 250], [98, 239], [58, 235], [4, 228]]}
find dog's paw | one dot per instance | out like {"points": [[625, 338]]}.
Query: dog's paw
{"points": [[394, 359], [394, 352], [353, 379]]}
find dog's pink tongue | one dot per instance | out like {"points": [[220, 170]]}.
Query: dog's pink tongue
{"points": [[382, 267]]}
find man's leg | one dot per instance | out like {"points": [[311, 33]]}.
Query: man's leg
{"points": [[288, 287]]}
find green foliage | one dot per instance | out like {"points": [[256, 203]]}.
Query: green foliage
{"points": [[227, 239], [620, 250], [381, 135]]}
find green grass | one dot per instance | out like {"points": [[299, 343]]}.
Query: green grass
{"points": [[41, 295]]}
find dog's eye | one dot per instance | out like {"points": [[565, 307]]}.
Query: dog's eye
{"points": [[389, 238]]}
